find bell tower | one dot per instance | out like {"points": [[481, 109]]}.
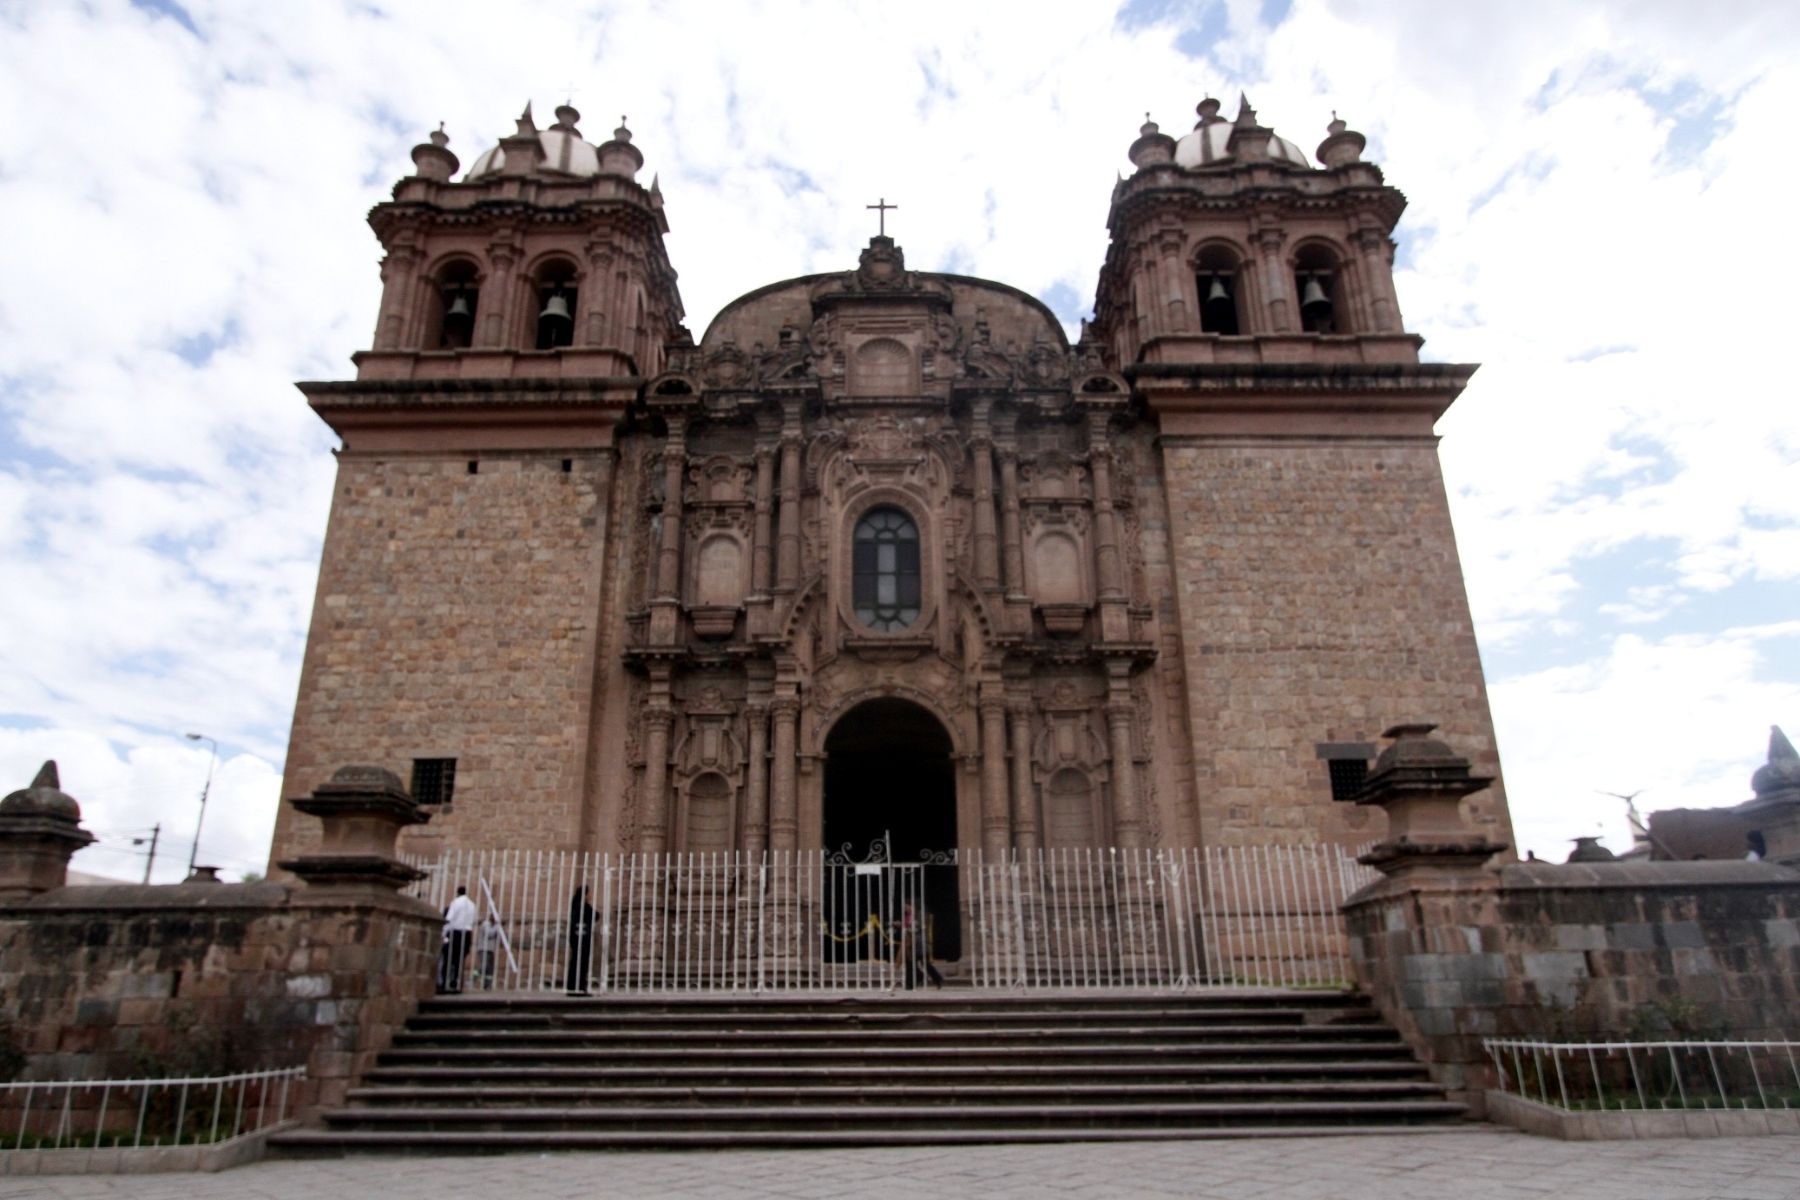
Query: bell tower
{"points": [[458, 636], [1248, 296], [545, 261]]}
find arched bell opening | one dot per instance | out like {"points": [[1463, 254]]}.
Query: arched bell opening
{"points": [[1217, 275], [455, 298], [555, 290], [1318, 282], [889, 821]]}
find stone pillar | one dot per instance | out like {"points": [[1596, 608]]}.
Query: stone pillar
{"points": [[40, 830], [668, 564], [653, 805], [1275, 285], [784, 817], [399, 292], [499, 294], [362, 810], [787, 569], [1776, 785], [590, 322], [1129, 826], [1421, 784], [996, 827], [1176, 283], [1024, 798], [981, 447], [1378, 279], [761, 552], [1106, 529], [1011, 540], [756, 779]]}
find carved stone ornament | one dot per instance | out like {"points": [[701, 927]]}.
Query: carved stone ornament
{"points": [[729, 367]]}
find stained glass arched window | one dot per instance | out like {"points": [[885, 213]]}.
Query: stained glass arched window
{"points": [[885, 570]]}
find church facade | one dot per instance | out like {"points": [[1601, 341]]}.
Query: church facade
{"points": [[882, 555]]}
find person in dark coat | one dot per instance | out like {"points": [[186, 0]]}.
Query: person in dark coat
{"points": [[581, 943]]}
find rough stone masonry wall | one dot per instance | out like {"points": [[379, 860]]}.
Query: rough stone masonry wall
{"points": [[455, 618], [1613, 950], [127, 981], [1320, 598]]}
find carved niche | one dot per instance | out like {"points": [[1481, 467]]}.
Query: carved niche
{"points": [[718, 507], [1070, 766], [708, 770], [1058, 553]]}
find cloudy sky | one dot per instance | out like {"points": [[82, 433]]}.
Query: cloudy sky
{"points": [[1599, 213]]}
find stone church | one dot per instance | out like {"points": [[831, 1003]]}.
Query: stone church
{"points": [[882, 555]]}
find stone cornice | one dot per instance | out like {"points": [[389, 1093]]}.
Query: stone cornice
{"points": [[1299, 400]]}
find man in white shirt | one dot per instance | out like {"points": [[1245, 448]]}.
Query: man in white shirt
{"points": [[459, 930]]}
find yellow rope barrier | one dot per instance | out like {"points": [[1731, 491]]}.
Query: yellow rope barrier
{"points": [[873, 924]]}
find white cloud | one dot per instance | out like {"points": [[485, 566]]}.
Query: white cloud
{"points": [[160, 519]]}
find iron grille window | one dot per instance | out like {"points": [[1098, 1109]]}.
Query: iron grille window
{"points": [[1347, 776], [885, 570], [433, 780]]}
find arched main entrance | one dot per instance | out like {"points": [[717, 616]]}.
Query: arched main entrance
{"points": [[889, 780]]}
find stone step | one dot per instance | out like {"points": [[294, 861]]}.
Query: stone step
{"points": [[812, 1004], [1114, 1114], [324, 1143], [881, 1091], [875, 1017], [505, 1039], [605, 1074], [850, 1057]]}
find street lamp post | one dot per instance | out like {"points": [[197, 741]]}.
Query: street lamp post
{"points": [[194, 853]]}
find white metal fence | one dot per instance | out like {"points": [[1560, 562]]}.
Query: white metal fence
{"points": [[63, 1114], [733, 921], [1603, 1076]]}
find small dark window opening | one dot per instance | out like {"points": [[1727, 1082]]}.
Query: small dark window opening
{"points": [[1218, 303], [1347, 777], [556, 312], [474, 467], [885, 570], [568, 465], [433, 780]]}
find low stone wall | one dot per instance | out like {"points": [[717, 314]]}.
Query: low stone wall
{"points": [[1579, 950], [205, 978], [1507, 1108]]}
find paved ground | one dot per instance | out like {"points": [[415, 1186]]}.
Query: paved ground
{"points": [[1477, 1165]]}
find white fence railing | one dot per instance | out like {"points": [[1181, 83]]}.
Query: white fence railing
{"points": [[1600, 1076], [734, 921], [61, 1114]]}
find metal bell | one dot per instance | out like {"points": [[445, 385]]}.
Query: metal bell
{"points": [[1313, 300], [459, 309], [1217, 291], [556, 311]]}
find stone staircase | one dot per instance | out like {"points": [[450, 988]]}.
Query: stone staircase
{"points": [[490, 1073]]}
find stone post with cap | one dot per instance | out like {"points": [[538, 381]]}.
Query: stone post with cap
{"points": [[40, 830], [1421, 783], [363, 809], [1776, 805]]}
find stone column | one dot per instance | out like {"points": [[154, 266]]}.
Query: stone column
{"points": [[1011, 540], [653, 805], [761, 552], [1378, 279], [399, 279], [787, 569], [498, 295], [40, 830], [1177, 281], [1106, 530], [590, 322], [996, 828], [756, 779], [981, 447], [1024, 798], [1274, 281], [1130, 829], [668, 565], [784, 817]]}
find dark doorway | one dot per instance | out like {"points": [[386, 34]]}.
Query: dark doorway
{"points": [[889, 779]]}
